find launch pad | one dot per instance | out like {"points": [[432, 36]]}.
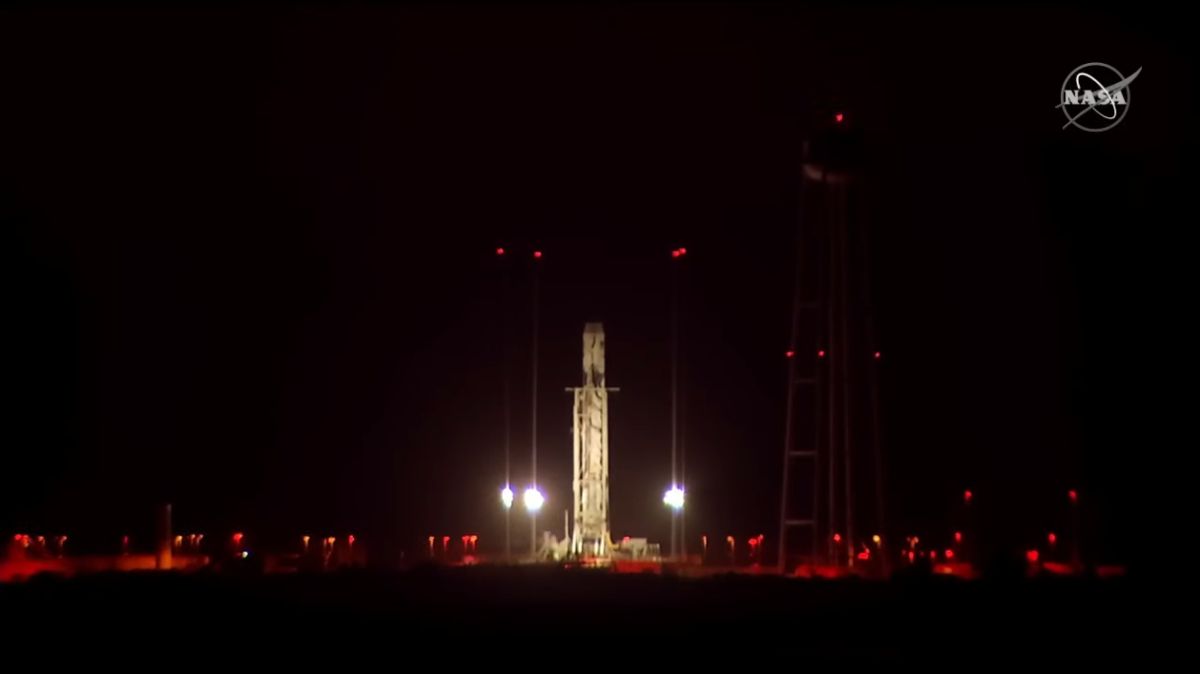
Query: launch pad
{"points": [[590, 537]]}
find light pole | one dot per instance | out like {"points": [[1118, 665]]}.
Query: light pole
{"points": [[506, 499], [533, 503], [674, 499], [506, 494], [674, 496], [534, 498]]}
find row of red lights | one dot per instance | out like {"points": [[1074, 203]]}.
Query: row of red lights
{"points": [[757, 540], [501, 252], [948, 554], [821, 354], [25, 540], [1072, 496], [471, 539]]}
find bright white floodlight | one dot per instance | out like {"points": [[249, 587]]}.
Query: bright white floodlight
{"points": [[674, 498], [506, 497], [533, 499]]}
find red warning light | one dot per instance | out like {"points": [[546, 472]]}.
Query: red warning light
{"points": [[1031, 556], [839, 118], [683, 251], [1052, 538], [500, 251], [821, 353], [789, 354], [537, 254], [237, 538], [967, 496], [1073, 495], [878, 355], [837, 538], [958, 537], [675, 253], [948, 553]]}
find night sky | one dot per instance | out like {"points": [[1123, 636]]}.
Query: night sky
{"points": [[249, 260]]}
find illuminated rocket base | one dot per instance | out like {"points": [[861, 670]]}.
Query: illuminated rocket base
{"points": [[591, 537]]}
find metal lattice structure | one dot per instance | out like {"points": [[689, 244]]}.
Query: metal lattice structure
{"points": [[591, 536], [832, 404]]}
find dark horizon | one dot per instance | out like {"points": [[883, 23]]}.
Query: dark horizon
{"points": [[253, 269]]}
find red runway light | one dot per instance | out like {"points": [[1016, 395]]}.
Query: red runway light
{"points": [[821, 353], [967, 496], [499, 251], [839, 117], [683, 251], [949, 554], [1051, 539], [837, 538], [537, 254], [675, 253], [1031, 556], [958, 537], [237, 538]]}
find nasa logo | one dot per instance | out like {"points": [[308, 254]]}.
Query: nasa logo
{"points": [[1095, 97]]}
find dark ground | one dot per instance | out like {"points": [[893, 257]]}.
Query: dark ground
{"points": [[438, 618]]}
